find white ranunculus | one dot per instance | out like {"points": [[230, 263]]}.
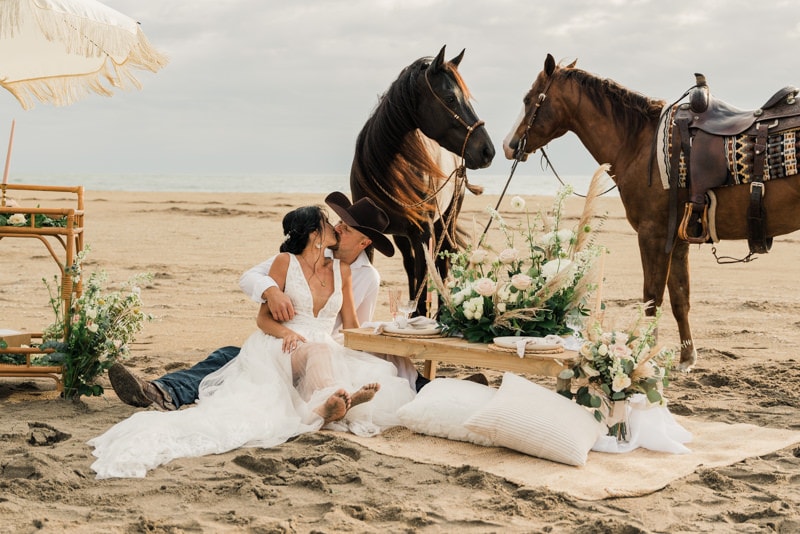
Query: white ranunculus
{"points": [[521, 281], [484, 287], [17, 219], [565, 236], [517, 203], [553, 267], [508, 255], [621, 382]]}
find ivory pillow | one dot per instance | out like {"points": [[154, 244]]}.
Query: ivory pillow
{"points": [[442, 406], [532, 419]]}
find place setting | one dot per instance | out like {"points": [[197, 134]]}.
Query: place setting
{"points": [[402, 325]]}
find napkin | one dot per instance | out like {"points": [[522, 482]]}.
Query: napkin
{"points": [[524, 342]]}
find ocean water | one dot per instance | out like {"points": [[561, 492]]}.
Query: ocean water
{"points": [[521, 184]]}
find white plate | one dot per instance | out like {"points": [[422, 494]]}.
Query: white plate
{"points": [[411, 331], [532, 343]]}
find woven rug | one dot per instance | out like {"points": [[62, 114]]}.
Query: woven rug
{"points": [[604, 475]]}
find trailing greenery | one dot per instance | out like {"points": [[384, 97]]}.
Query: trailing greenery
{"points": [[102, 325]]}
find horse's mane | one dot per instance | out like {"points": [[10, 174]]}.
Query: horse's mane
{"points": [[629, 109], [390, 156]]}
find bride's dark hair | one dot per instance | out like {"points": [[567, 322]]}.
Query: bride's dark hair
{"points": [[298, 224]]}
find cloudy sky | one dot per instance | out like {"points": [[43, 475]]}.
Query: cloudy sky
{"points": [[283, 87]]}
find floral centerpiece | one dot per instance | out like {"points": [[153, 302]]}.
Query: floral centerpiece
{"points": [[101, 328], [615, 365], [543, 276], [40, 220]]}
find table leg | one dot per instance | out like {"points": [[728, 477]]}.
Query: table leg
{"points": [[429, 369]]}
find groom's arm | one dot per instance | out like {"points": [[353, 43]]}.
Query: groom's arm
{"points": [[260, 287]]}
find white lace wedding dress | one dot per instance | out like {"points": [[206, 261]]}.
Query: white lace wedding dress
{"points": [[254, 401]]}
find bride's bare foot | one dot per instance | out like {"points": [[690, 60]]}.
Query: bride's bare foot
{"points": [[335, 407], [365, 394]]}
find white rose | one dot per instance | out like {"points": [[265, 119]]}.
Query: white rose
{"points": [[518, 203], [620, 351], [459, 297], [478, 256], [93, 327], [521, 281], [17, 219], [509, 255], [621, 338], [484, 287], [91, 313], [553, 267], [547, 239], [602, 350], [501, 307]]}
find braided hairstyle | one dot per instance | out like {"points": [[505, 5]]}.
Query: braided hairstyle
{"points": [[298, 225]]}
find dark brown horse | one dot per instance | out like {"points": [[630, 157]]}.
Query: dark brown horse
{"points": [[409, 159], [618, 126]]}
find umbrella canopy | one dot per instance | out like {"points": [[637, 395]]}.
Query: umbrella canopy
{"points": [[58, 51]]}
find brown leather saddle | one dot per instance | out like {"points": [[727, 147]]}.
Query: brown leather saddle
{"points": [[698, 132]]}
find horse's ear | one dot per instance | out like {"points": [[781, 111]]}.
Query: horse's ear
{"points": [[572, 65], [438, 61], [549, 65], [456, 60]]}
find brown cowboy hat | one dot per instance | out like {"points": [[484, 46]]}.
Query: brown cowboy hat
{"points": [[364, 216]]}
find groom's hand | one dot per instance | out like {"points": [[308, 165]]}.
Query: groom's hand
{"points": [[280, 306]]}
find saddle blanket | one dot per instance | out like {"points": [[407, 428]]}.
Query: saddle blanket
{"points": [[781, 154]]}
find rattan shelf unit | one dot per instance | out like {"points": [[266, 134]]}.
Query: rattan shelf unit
{"points": [[70, 240]]}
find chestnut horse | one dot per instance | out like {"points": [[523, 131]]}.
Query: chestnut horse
{"points": [[618, 126], [410, 158]]}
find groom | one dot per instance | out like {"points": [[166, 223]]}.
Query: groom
{"points": [[360, 231]]}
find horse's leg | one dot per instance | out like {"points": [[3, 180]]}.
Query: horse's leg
{"points": [[404, 246], [420, 275], [679, 291]]}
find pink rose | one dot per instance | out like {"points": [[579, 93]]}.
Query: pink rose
{"points": [[484, 287]]}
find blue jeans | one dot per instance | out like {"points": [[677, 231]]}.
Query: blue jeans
{"points": [[182, 386]]}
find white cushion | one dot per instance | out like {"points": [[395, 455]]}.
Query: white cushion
{"points": [[442, 406], [532, 419]]}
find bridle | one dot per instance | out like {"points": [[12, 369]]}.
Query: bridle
{"points": [[470, 128]]}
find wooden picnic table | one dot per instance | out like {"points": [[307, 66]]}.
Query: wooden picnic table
{"points": [[434, 349]]}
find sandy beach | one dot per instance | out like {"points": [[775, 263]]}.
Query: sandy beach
{"points": [[745, 323]]}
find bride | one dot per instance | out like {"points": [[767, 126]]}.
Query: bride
{"points": [[289, 378]]}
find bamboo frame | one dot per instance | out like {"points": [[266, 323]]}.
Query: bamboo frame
{"points": [[71, 240]]}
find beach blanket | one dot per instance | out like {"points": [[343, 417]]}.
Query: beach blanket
{"points": [[605, 475]]}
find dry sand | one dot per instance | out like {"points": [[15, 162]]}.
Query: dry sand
{"points": [[746, 326]]}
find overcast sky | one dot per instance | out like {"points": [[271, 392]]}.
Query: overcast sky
{"points": [[283, 87]]}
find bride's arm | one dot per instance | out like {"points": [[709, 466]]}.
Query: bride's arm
{"points": [[265, 321], [267, 324], [348, 311]]}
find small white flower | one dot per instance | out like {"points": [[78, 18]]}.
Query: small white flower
{"points": [[93, 327], [508, 255], [565, 236], [477, 307], [517, 203], [485, 287], [18, 219], [91, 313]]}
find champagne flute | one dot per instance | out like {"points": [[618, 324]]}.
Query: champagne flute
{"points": [[405, 307], [394, 298]]}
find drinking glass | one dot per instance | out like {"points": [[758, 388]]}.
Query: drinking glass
{"points": [[394, 298], [406, 308]]}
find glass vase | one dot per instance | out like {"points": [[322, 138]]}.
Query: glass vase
{"points": [[618, 420]]}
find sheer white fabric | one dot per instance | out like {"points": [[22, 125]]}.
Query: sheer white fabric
{"points": [[255, 401]]}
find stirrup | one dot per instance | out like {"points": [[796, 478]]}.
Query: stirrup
{"points": [[684, 226]]}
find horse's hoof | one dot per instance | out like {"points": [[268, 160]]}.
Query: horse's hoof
{"points": [[685, 367]]}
